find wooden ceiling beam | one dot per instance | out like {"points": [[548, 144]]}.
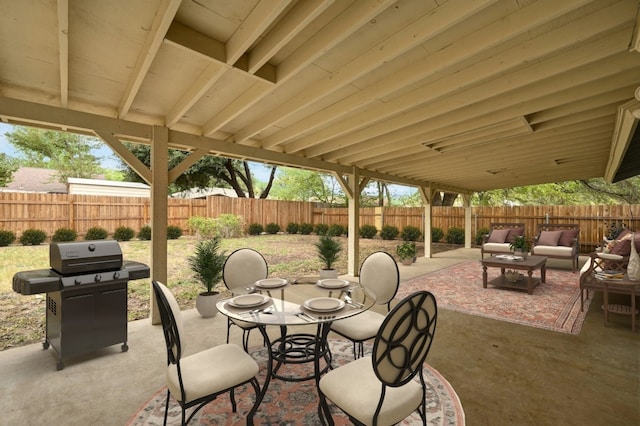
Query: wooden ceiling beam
{"points": [[339, 29], [262, 15], [377, 119], [513, 25], [163, 18], [63, 50], [439, 20]]}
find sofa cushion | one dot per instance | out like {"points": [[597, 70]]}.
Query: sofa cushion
{"points": [[498, 236], [566, 239], [513, 233], [554, 251], [623, 246], [549, 238], [496, 247]]}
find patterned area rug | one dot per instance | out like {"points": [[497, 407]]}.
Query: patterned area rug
{"points": [[290, 403], [554, 305]]}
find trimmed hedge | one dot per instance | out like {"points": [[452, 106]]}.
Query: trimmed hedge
{"points": [[96, 233], [64, 234], [33, 237]]}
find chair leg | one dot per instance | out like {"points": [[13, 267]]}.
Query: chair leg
{"points": [[324, 412], [166, 407], [252, 412]]}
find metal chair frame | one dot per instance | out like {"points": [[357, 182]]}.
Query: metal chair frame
{"points": [[174, 355], [409, 328]]}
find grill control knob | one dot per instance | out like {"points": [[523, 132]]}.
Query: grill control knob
{"points": [[116, 275], [77, 281], [98, 278]]}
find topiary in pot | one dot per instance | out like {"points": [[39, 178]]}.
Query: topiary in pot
{"points": [[207, 264], [328, 249], [406, 252]]}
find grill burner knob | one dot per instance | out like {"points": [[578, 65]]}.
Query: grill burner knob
{"points": [[116, 275], [78, 281], [98, 278]]}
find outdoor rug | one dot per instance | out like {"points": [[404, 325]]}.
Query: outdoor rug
{"points": [[554, 305], [296, 403]]}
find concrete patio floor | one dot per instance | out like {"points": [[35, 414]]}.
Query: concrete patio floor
{"points": [[504, 374]]}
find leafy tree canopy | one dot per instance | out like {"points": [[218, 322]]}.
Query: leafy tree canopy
{"points": [[207, 172], [8, 166], [305, 185], [68, 153]]}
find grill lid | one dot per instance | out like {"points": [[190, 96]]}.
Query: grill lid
{"points": [[84, 257]]}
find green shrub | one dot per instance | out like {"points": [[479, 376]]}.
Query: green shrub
{"points": [[410, 233], [306, 228], [368, 231], [437, 234], [389, 232], [455, 235], [255, 229], [336, 230], [292, 228], [321, 229], [202, 227], [64, 234], [480, 235], [173, 232], [229, 226], [145, 233], [6, 237], [33, 237], [123, 233], [272, 228], [96, 233]]}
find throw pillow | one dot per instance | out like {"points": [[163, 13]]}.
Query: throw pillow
{"points": [[513, 233], [498, 236], [549, 238], [623, 245], [566, 239]]}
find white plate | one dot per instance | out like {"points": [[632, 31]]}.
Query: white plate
{"points": [[248, 300], [324, 304], [333, 283], [271, 283]]}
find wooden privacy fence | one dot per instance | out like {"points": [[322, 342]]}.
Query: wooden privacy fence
{"points": [[21, 211]]}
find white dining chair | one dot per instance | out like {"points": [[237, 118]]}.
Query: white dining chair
{"points": [[241, 270], [199, 378], [379, 275], [382, 389]]}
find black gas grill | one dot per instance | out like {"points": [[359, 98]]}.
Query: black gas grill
{"points": [[86, 290]]}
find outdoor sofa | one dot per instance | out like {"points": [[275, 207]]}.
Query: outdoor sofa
{"points": [[501, 234], [559, 241]]}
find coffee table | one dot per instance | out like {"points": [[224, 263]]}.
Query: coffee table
{"points": [[530, 264]]}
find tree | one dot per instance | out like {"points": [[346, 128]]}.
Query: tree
{"points": [[8, 166], [305, 185], [207, 172], [68, 153]]}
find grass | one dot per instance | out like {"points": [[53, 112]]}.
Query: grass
{"points": [[22, 317]]}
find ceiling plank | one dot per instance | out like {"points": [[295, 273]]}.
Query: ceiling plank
{"points": [[165, 15]]}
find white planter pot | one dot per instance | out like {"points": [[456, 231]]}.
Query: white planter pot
{"points": [[406, 261], [206, 304], [328, 273]]}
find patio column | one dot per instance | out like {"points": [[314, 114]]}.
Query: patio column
{"points": [[466, 199], [352, 187], [159, 216], [427, 194]]}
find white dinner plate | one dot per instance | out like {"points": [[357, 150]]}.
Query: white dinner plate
{"points": [[324, 304], [271, 283], [248, 300], [333, 283]]}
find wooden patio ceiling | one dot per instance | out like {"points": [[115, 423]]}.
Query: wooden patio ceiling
{"points": [[461, 95]]}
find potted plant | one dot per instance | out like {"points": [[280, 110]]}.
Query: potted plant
{"points": [[406, 252], [328, 249], [520, 246], [207, 264]]}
